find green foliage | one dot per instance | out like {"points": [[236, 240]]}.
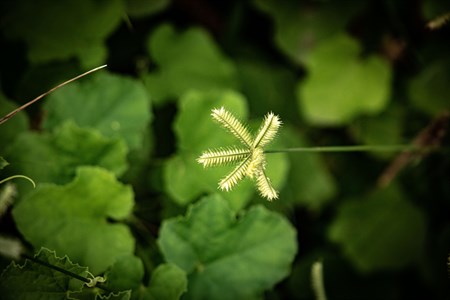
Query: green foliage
{"points": [[73, 218], [184, 177], [142, 8], [167, 282], [384, 231], [126, 273], [429, 89], [217, 251], [11, 129], [200, 66], [309, 182], [250, 160], [56, 155], [116, 106], [355, 85], [73, 28], [301, 27], [114, 154], [3, 163], [35, 281], [381, 129]]}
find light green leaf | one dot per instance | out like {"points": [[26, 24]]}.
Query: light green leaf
{"points": [[55, 156], [341, 85], [80, 218], [80, 33], [35, 281], [14, 126], [194, 128], [168, 282], [217, 251], [115, 105], [382, 232], [429, 91], [187, 60], [125, 274]]}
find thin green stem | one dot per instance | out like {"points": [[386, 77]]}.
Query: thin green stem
{"points": [[353, 148], [19, 176], [317, 280], [56, 268]]}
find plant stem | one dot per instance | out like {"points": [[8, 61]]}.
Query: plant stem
{"points": [[317, 281], [19, 176], [56, 268], [353, 148], [11, 114]]}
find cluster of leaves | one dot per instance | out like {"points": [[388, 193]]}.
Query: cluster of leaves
{"points": [[120, 193]]}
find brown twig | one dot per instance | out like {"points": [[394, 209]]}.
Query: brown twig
{"points": [[427, 139], [11, 114]]}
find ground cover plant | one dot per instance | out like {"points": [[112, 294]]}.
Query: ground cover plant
{"points": [[229, 150]]}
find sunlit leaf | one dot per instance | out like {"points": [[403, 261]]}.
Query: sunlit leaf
{"points": [[341, 84], [117, 106], [53, 157], [80, 219]]}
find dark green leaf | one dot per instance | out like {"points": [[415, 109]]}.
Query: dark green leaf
{"points": [[125, 274], [143, 8], [430, 89], [14, 126], [35, 281], [72, 28], [3, 163], [309, 182], [301, 27], [187, 60], [226, 257], [381, 232]]}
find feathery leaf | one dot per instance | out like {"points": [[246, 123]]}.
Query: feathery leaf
{"points": [[265, 187], [252, 160], [233, 125], [235, 176], [219, 157], [257, 162], [267, 131]]}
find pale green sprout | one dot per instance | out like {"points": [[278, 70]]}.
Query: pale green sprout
{"points": [[250, 159]]}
